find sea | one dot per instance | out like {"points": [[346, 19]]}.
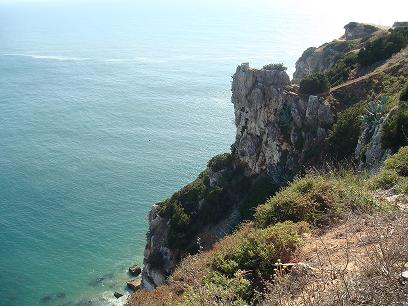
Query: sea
{"points": [[107, 107]]}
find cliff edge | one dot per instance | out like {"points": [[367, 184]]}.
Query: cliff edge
{"points": [[281, 130]]}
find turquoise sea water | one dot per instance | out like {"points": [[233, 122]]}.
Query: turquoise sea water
{"points": [[105, 110]]}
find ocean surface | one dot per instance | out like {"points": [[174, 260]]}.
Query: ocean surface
{"points": [[106, 109]]}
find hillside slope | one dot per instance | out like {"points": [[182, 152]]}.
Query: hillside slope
{"points": [[281, 133]]}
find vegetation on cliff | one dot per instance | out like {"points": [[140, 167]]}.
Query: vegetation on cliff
{"points": [[396, 128], [314, 84], [352, 127], [241, 268], [217, 199], [383, 47]]}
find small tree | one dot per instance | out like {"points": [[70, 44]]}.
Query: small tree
{"points": [[279, 67], [314, 84]]}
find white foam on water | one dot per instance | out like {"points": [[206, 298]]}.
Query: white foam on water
{"points": [[48, 57]]}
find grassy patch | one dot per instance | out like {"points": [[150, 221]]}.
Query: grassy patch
{"points": [[316, 199], [395, 173]]}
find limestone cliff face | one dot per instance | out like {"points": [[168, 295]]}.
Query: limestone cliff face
{"points": [[277, 130]]}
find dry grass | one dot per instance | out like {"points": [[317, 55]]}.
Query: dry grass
{"points": [[356, 263], [189, 274]]}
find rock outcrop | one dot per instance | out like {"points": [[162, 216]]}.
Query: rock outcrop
{"points": [[277, 130], [158, 259], [323, 58], [369, 152], [314, 60], [167, 243], [355, 30]]}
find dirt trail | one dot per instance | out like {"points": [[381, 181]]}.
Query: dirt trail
{"points": [[364, 77], [389, 64]]}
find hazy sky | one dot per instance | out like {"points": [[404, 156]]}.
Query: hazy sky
{"points": [[380, 12]]}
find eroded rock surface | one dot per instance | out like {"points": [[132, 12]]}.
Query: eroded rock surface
{"points": [[277, 130]]}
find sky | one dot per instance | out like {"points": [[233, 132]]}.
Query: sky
{"points": [[371, 11]]}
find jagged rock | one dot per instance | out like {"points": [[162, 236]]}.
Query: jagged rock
{"points": [[355, 30], [117, 294], [275, 127], [134, 284], [313, 60], [135, 270], [156, 251], [369, 151], [277, 131]]}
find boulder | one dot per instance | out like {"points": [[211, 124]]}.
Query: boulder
{"points": [[117, 294], [134, 284], [135, 270]]}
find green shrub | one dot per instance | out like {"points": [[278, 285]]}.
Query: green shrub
{"points": [[178, 218], [199, 204], [314, 84], [398, 162], [254, 252], [343, 136], [404, 94], [279, 67], [385, 180], [383, 48], [220, 162], [395, 130], [315, 199], [394, 174], [341, 70]]}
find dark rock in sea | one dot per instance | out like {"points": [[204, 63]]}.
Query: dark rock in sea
{"points": [[46, 299], [117, 294], [135, 270], [134, 284]]}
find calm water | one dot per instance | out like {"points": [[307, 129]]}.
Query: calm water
{"points": [[105, 110]]}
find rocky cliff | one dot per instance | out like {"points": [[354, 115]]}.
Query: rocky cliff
{"points": [[279, 132], [323, 58], [277, 129]]}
